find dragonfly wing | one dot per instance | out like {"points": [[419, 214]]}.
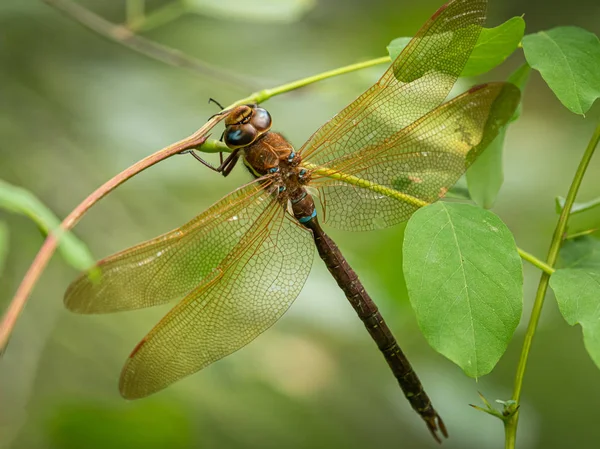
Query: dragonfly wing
{"points": [[417, 81], [253, 287], [170, 266], [420, 163]]}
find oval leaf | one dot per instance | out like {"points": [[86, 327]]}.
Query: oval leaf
{"points": [[21, 201], [492, 48], [578, 295], [568, 58], [577, 208], [486, 175], [582, 252], [464, 279], [395, 47]]}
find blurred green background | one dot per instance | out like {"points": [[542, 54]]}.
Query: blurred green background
{"points": [[75, 109]]}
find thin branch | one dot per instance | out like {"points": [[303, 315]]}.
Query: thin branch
{"points": [[581, 233], [557, 239], [135, 11], [535, 261], [43, 256], [126, 37]]}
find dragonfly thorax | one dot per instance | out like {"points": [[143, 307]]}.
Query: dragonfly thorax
{"points": [[273, 154]]}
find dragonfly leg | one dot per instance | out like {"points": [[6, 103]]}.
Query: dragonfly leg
{"points": [[199, 159], [226, 165]]}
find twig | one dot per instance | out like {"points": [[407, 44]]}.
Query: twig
{"points": [[126, 37], [158, 17], [535, 261], [557, 239], [43, 257], [135, 11], [581, 233]]}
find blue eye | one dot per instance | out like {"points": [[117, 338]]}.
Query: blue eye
{"points": [[240, 136], [234, 136]]}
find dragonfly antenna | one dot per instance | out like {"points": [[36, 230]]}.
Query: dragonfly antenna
{"points": [[212, 100]]}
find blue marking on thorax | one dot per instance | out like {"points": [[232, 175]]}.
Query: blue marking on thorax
{"points": [[310, 217], [291, 156], [297, 200], [273, 169], [302, 173], [281, 189]]}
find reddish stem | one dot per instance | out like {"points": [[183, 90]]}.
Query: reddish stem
{"points": [[47, 250]]}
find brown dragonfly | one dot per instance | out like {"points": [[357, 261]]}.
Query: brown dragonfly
{"points": [[237, 267]]}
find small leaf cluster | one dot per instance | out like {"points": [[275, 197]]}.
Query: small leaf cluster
{"points": [[462, 266]]}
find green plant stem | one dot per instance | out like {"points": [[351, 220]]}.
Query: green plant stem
{"points": [[581, 233], [159, 17], [265, 94], [512, 423], [268, 93], [3, 245], [535, 261], [134, 11]]}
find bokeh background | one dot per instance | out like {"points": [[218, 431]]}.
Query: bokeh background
{"points": [[75, 109]]}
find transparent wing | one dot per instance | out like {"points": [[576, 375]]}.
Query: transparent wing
{"points": [[253, 287], [417, 81], [420, 163], [170, 266]]}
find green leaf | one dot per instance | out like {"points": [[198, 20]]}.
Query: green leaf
{"points": [[577, 207], [458, 192], [3, 245], [578, 295], [395, 47], [20, 201], [492, 48], [464, 278], [568, 58], [582, 252], [486, 175], [285, 11], [519, 78]]}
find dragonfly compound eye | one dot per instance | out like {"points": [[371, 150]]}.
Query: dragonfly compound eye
{"points": [[261, 120], [237, 136]]}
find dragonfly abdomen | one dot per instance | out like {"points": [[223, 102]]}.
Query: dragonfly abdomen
{"points": [[369, 314]]}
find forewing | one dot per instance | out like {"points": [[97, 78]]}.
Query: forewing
{"points": [[419, 164], [170, 266], [418, 80], [254, 286]]}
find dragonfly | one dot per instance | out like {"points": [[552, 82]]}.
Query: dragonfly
{"points": [[237, 267]]}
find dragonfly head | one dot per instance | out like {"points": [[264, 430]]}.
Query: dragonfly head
{"points": [[245, 124]]}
